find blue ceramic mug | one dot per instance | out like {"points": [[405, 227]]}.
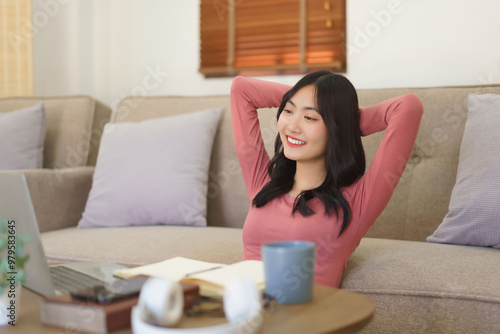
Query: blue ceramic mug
{"points": [[289, 271]]}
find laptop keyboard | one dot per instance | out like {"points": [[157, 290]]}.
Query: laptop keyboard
{"points": [[69, 280]]}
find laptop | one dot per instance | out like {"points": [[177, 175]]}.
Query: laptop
{"points": [[16, 206]]}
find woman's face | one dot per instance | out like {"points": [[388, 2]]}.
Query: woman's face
{"points": [[301, 128]]}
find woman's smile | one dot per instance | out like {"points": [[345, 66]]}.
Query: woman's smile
{"points": [[294, 142]]}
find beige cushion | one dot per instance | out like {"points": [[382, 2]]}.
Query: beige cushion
{"points": [[137, 245], [441, 288]]}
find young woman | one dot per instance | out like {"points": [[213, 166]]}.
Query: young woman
{"points": [[315, 187]]}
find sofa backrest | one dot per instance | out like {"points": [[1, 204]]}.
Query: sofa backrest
{"points": [[421, 198], [74, 126]]}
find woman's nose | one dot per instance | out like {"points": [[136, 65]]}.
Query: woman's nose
{"points": [[294, 124]]}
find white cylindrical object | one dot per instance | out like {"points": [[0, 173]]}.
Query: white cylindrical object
{"points": [[241, 300], [161, 302]]}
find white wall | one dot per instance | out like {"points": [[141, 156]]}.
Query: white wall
{"points": [[113, 48]]}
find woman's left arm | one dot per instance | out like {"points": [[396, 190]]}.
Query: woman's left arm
{"points": [[400, 117]]}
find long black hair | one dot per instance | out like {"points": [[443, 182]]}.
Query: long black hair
{"points": [[337, 103]]}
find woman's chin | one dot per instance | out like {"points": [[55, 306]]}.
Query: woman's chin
{"points": [[290, 156]]}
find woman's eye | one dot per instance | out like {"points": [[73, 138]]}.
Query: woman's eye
{"points": [[309, 118], [287, 111]]}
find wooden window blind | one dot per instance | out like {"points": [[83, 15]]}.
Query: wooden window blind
{"points": [[16, 48], [259, 37]]}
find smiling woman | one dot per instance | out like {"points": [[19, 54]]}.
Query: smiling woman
{"points": [[315, 187], [333, 157]]}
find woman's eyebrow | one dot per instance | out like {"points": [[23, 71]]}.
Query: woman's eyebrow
{"points": [[305, 108]]}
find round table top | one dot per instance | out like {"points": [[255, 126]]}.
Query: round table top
{"points": [[331, 311]]}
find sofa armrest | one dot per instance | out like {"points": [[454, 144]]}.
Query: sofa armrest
{"points": [[59, 195]]}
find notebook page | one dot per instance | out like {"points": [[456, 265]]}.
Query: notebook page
{"points": [[251, 268], [174, 269]]}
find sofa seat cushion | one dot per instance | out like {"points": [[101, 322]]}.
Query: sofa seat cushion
{"points": [[436, 285], [138, 245]]}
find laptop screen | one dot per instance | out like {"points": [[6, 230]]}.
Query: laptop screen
{"points": [[16, 207]]}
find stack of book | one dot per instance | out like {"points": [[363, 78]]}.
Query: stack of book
{"points": [[74, 315]]}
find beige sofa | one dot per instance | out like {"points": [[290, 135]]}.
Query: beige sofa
{"points": [[417, 287], [74, 126]]}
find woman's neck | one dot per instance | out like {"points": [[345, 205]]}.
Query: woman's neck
{"points": [[307, 177]]}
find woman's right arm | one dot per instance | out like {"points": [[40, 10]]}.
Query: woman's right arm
{"points": [[248, 95]]}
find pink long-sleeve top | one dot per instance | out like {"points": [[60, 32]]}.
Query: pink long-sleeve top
{"points": [[367, 197]]}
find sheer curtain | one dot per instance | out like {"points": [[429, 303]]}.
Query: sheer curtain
{"points": [[16, 48]]}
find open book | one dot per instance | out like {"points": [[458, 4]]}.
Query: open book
{"points": [[210, 277]]}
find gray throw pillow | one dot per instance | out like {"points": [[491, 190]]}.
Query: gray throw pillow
{"points": [[22, 134], [153, 172], [474, 211]]}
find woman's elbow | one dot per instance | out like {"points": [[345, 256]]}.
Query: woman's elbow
{"points": [[237, 84], [413, 104]]}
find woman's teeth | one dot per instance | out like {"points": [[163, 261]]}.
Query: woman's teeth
{"points": [[295, 141]]}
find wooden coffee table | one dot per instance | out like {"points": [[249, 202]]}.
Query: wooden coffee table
{"points": [[331, 311]]}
